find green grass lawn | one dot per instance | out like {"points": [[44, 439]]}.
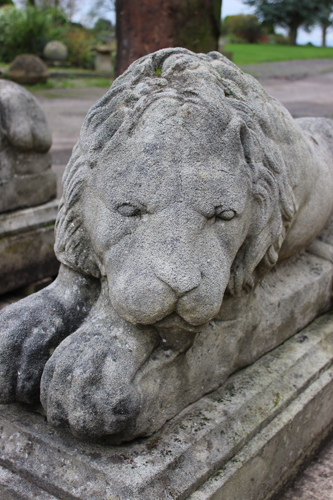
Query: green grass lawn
{"points": [[71, 83], [66, 82], [244, 53]]}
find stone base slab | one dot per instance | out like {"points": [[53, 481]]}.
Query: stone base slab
{"points": [[240, 442], [26, 246], [13, 487]]}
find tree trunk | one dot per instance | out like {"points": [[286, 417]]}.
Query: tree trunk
{"points": [[293, 35], [323, 35], [149, 25]]}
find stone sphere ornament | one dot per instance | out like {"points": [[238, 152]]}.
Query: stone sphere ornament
{"points": [[55, 52], [188, 184], [28, 69]]}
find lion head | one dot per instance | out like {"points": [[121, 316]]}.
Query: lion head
{"points": [[178, 190]]}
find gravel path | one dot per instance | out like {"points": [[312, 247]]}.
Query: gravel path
{"points": [[309, 96], [65, 111], [290, 69], [316, 482]]}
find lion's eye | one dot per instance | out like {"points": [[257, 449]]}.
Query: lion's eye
{"points": [[128, 210], [225, 214]]}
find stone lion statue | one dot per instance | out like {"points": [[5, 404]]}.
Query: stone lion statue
{"points": [[26, 178], [186, 187]]}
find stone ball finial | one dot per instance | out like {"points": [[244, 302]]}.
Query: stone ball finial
{"points": [[55, 51], [28, 69]]}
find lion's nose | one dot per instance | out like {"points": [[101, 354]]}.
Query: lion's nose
{"points": [[180, 280]]}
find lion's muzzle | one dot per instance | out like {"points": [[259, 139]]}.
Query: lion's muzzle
{"points": [[175, 264]]}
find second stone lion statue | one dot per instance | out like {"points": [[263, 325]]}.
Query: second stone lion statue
{"points": [[186, 187]]}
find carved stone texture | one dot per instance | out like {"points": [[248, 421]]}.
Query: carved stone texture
{"points": [[28, 69], [26, 178], [243, 441], [149, 25], [186, 187]]}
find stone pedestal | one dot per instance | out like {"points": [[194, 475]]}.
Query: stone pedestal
{"points": [[103, 58], [26, 246], [27, 186], [243, 441]]}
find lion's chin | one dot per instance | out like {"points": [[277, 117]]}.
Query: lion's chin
{"points": [[174, 323]]}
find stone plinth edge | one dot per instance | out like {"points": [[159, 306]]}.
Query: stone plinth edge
{"points": [[241, 442], [26, 246]]}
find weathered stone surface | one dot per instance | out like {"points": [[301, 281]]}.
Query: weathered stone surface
{"points": [[26, 178], [24, 124], [13, 487], [291, 296], [28, 69], [55, 51], [187, 186], [25, 163], [27, 190], [26, 246], [240, 442]]}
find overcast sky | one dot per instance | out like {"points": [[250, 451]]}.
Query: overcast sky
{"points": [[233, 7]]}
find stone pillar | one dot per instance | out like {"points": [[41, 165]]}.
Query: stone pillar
{"points": [[103, 58], [149, 25], [27, 188]]}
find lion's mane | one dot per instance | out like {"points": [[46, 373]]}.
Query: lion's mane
{"points": [[266, 129]]}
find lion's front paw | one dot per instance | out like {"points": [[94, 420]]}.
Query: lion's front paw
{"points": [[87, 383], [25, 346]]}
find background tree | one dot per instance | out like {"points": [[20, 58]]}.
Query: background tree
{"points": [[69, 7], [104, 31], [145, 26], [242, 27], [325, 20], [291, 14], [28, 31], [100, 9], [6, 2]]}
